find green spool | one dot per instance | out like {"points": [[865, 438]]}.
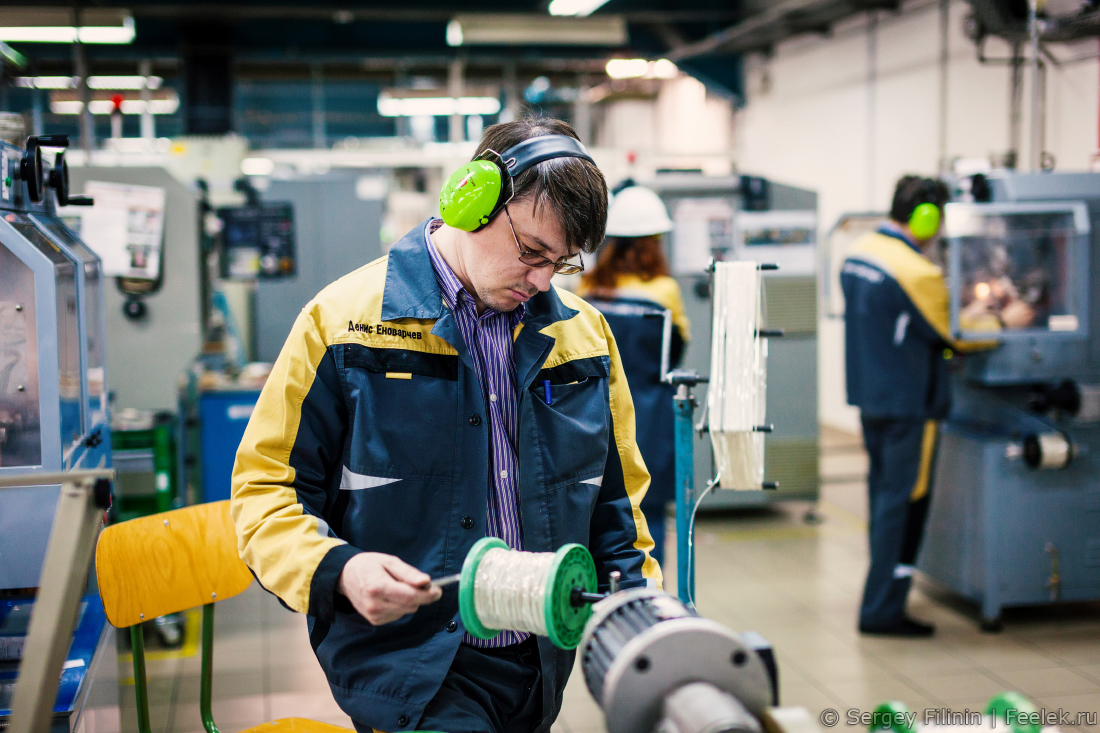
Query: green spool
{"points": [[892, 715], [466, 606], [573, 567], [1016, 711]]}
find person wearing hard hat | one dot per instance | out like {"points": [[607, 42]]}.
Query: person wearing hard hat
{"points": [[631, 275]]}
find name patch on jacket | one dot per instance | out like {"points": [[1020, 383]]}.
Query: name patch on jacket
{"points": [[383, 330]]}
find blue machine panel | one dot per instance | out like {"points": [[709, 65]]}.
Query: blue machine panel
{"points": [[224, 416], [77, 664]]}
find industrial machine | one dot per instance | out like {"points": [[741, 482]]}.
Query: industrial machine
{"points": [[54, 414], [1015, 515], [749, 218]]}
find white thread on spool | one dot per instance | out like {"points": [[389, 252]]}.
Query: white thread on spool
{"points": [[737, 394], [510, 590]]}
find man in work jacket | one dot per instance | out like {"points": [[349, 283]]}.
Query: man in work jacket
{"points": [[898, 347], [407, 417]]}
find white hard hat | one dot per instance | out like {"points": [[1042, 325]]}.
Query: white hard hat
{"points": [[637, 212]]}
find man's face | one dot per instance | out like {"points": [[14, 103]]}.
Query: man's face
{"points": [[493, 267]]}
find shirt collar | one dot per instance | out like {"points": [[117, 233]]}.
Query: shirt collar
{"points": [[450, 287]]}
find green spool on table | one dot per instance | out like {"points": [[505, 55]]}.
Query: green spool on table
{"points": [[572, 567]]}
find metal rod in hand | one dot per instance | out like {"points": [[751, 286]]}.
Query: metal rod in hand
{"points": [[446, 580]]}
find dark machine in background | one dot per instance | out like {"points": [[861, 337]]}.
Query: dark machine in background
{"points": [[751, 218], [337, 230], [1015, 515]]}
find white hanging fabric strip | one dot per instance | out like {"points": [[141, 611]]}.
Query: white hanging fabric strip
{"points": [[738, 368]]}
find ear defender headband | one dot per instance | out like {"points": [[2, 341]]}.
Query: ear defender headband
{"points": [[474, 194], [924, 222]]}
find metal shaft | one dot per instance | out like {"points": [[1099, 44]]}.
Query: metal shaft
{"points": [[685, 492]]}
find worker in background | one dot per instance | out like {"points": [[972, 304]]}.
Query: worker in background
{"points": [[433, 397], [898, 349], [632, 266]]}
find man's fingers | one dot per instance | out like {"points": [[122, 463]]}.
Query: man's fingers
{"points": [[402, 571]]}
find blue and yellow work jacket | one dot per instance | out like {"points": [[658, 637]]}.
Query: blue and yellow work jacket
{"points": [[370, 435], [897, 330]]}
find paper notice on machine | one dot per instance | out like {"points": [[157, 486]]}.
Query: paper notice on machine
{"points": [[125, 227]]}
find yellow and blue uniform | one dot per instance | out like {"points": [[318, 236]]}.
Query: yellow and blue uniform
{"points": [[370, 436], [897, 347], [640, 343]]}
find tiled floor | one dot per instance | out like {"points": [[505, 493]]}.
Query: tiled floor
{"points": [[768, 571]]}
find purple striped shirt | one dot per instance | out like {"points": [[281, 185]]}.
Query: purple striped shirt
{"points": [[489, 339]]}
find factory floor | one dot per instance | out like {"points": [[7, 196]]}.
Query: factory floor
{"points": [[798, 584]]}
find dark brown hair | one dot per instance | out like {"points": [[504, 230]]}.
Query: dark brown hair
{"points": [[574, 188], [641, 256], [912, 191]]}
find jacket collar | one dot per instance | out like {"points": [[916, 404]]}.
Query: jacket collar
{"points": [[889, 229], [412, 289]]}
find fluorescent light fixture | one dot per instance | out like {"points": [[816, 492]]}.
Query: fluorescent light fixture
{"points": [[663, 69], [257, 166], [106, 106], [578, 8], [58, 25], [124, 82], [639, 68], [389, 106], [537, 30], [627, 68], [94, 82], [46, 82]]}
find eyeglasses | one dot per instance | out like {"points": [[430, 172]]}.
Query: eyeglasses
{"points": [[534, 259]]}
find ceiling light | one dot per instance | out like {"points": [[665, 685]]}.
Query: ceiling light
{"points": [[123, 82], [538, 30], [638, 68], [627, 68], [106, 106], [389, 106], [46, 82], [37, 24], [578, 8], [454, 33], [663, 69]]}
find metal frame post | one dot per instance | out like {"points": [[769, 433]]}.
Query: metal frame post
{"points": [[84, 496], [684, 403]]}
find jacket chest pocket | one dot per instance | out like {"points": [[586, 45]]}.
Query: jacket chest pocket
{"points": [[573, 419], [404, 411]]}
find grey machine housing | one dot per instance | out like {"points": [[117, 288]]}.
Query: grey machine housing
{"points": [[52, 285], [654, 665], [1015, 512]]}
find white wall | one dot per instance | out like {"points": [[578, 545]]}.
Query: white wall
{"points": [[846, 115]]}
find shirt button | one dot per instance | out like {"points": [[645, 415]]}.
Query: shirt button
{"points": [[403, 720], [474, 420], [492, 398], [452, 627], [467, 522], [504, 474]]}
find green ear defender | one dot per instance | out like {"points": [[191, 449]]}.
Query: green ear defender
{"points": [[924, 222], [470, 195]]}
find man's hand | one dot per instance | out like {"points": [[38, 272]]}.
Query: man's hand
{"points": [[383, 588]]}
